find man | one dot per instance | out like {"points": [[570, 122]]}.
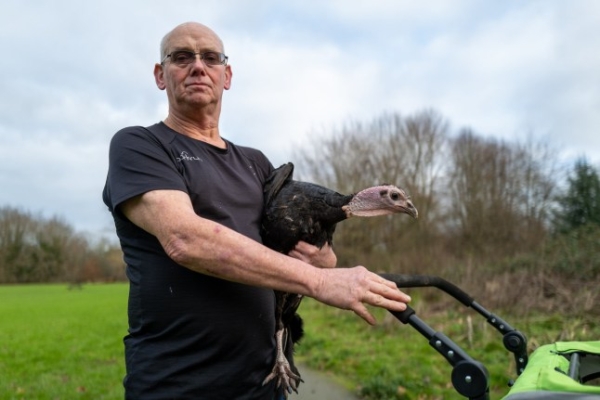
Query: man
{"points": [[187, 206]]}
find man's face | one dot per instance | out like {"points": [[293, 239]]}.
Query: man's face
{"points": [[194, 85]]}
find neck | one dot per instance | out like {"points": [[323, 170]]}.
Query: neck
{"points": [[203, 129]]}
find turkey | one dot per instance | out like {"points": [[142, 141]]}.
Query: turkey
{"points": [[300, 211]]}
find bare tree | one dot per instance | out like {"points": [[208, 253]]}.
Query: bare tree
{"points": [[500, 195], [36, 249], [16, 243], [407, 152]]}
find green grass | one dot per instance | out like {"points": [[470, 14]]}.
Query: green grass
{"points": [[57, 343]]}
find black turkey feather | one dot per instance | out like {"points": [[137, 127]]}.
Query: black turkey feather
{"points": [[300, 211]]}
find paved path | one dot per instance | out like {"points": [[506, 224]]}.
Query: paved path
{"points": [[317, 386]]}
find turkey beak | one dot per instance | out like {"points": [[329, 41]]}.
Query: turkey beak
{"points": [[411, 210]]}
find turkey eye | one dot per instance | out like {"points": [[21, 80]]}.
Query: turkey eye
{"points": [[395, 196]]}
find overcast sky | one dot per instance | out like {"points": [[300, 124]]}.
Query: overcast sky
{"points": [[75, 72]]}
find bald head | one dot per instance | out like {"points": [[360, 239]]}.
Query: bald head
{"points": [[187, 27]]}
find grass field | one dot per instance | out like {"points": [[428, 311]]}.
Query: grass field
{"points": [[57, 343]]}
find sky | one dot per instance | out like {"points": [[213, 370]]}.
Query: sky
{"points": [[76, 72]]}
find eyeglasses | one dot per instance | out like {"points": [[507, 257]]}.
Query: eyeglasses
{"points": [[186, 57]]}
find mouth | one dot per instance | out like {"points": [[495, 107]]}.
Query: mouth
{"points": [[196, 84]]}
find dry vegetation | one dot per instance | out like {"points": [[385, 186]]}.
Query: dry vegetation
{"points": [[36, 249], [487, 211]]}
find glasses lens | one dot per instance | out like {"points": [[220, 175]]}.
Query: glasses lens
{"points": [[183, 57], [213, 58]]}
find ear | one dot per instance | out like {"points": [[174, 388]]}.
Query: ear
{"points": [[228, 76], [159, 76]]}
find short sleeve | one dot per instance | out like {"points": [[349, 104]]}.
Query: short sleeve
{"points": [[138, 163]]}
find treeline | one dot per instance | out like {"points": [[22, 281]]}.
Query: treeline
{"points": [[505, 219], [38, 249]]}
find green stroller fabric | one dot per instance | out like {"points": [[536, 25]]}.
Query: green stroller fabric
{"points": [[546, 375]]}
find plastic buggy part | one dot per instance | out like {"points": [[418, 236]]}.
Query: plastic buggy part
{"points": [[560, 371]]}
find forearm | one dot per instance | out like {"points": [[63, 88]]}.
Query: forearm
{"points": [[210, 248], [221, 252], [226, 254], [207, 247]]}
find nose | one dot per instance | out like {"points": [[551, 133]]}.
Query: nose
{"points": [[198, 63]]}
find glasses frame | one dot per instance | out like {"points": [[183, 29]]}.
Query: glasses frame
{"points": [[222, 57]]}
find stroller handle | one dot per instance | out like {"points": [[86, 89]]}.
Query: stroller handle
{"points": [[409, 281], [513, 340]]}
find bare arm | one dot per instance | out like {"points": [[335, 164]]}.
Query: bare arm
{"points": [[207, 247]]}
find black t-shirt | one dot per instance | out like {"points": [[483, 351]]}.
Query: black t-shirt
{"points": [[191, 336]]}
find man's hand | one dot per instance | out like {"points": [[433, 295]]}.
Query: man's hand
{"points": [[354, 288], [350, 288], [320, 258]]}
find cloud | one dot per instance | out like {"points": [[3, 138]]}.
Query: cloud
{"points": [[75, 72], [281, 91]]}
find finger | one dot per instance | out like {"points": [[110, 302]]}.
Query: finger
{"points": [[298, 254], [362, 312], [294, 254], [380, 301], [386, 282], [305, 247], [392, 293]]}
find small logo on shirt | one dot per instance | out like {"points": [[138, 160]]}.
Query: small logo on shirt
{"points": [[184, 156]]}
